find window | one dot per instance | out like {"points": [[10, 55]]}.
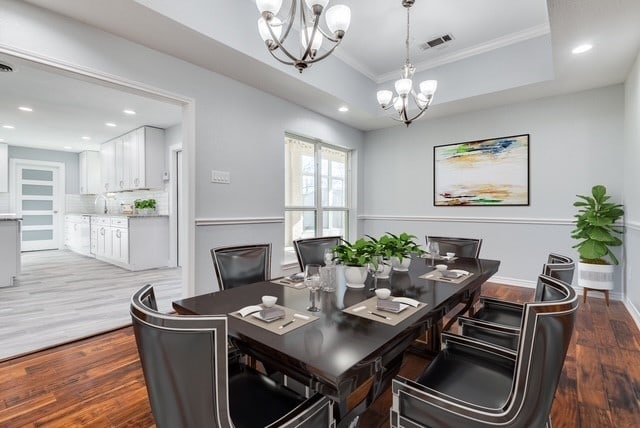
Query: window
{"points": [[316, 196]]}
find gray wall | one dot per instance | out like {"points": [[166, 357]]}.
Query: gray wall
{"points": [[632, 189], [70, 160], [575, 142], [237, 128]]}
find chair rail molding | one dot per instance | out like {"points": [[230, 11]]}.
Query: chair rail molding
{"points": [[505, 220], [633, 225], [217, 221]]}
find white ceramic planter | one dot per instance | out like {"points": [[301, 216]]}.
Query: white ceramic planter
{"points": [[596, 277], [386, 270], [401, 266], [355, 276]]}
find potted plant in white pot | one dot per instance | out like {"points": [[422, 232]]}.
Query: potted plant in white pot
{"points": [[355, 258], [597, 233], [399, 249]]}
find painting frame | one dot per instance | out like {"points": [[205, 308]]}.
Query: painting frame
{"points": [[487, 172]]}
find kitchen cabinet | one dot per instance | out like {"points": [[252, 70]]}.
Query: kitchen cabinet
{"points": [[107, 166], [77, 235], [135, 160], [10, 249], [4, 167], [90, 172], [133, 243]]}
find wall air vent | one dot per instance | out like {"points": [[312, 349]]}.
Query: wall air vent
{"points": [[5, 68], [438, 42]]}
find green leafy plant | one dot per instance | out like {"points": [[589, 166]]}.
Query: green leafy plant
{"points": [[400, 246], [595, 226], [144, 203], [360, 253]]}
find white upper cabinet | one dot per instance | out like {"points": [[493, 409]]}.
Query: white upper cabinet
{"points": [[136, 160], [90, 176], [4, 167]]}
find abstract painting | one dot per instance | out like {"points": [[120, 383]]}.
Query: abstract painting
{"points": [[482, 173]]}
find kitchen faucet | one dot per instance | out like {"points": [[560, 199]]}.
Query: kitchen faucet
{"points": [[104, 198]]}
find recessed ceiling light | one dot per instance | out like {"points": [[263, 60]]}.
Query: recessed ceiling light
{"points": [[67, 147], [129, 112], [343, 109], [111, 124], [8, 126], [581, 49], [84, 137], [24, 108]]}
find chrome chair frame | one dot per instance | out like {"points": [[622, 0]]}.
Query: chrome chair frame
{"points": [[455, 245], [197, 392], [221, 254], [318, 256], [536, 368]]}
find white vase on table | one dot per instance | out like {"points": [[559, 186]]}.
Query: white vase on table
{"points": [[355, 276]]}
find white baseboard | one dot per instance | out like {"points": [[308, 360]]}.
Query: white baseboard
{"points": [[633, 311], [532, 284]]}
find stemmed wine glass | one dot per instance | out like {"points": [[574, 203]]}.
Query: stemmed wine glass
{"points": [[375, 267], [433, 249], [312, 282]]}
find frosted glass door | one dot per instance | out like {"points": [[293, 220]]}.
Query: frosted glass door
{"points": [[37, 190]]}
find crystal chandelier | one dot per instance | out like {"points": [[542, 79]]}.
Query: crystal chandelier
{"points": [[404, 87], [274, 31]]}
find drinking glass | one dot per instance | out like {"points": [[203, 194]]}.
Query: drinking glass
{"points": [[328, 278], [433, 249], [328, 257], [312, 282], [375, 267]]}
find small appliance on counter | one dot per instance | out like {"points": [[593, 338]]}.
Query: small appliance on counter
{"points": [[126, 209]]}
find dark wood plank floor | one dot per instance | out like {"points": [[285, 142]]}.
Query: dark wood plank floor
{"points": [[98, 382]]}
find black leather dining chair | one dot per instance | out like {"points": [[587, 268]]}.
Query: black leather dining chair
{"points": [[506, 315], [474, 384], [242, 264], [463, 247], [191, 383], [311, 250]]}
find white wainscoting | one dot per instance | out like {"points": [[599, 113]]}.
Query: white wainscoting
{"points": [[219, 232]]}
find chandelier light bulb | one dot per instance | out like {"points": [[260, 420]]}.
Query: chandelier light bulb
{"points": [[398, 104], [428, 87], [403, 86], [269, 6], [338, 19], [274, 23], [311, 3], [384, 97], [422, 100], [317, 39]]}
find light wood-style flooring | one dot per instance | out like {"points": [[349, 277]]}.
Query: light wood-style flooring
{"points": [[98, 382], [62, 296]]}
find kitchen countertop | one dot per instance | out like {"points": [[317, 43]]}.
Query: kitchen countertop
{"points": [[9, 217]]}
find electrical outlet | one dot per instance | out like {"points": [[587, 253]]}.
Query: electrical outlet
{"points": [[220, 177]]}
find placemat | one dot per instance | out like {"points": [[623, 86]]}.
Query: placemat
{"points": [[437, 276], [365, 308], [288, 283], [298, 318]]}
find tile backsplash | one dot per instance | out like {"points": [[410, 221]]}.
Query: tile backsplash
{"points": [[86, 203]]}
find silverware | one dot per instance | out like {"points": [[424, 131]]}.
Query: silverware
{"points": [[379, 315], [287, 323]]}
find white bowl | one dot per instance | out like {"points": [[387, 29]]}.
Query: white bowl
{"points": [[441, 267], [383, 293], [451, 255], [269, 301]]}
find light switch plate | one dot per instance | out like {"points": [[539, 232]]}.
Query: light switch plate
{"points": [[220, 177]]}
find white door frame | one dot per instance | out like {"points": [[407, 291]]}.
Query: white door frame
{"points": [[173, 203], [58, 212], [188, 140]]}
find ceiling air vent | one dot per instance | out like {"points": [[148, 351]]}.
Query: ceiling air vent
{"points": [[5, 68], [437, 42]]}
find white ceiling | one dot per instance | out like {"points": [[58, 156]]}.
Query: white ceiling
{"points": [[503, 51]]}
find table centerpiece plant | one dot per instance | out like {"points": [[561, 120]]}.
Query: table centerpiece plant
{"points": [[596, 232], [355, 257], [399, 249]]}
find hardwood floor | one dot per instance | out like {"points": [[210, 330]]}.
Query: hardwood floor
{"points": [[62, 296], [98, 382]]}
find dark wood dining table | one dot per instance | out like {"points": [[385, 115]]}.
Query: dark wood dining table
{"points": [[349, 358]]}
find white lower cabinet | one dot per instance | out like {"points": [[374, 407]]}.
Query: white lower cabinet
{"points": [[77, 233], [133, 243]]}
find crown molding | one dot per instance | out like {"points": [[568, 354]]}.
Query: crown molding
{"points": [[500, 42]]}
